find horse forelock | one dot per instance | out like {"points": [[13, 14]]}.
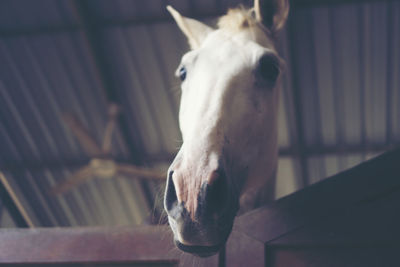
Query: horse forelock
{"points": [[238, 19]]}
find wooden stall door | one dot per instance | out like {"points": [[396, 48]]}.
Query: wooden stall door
{"points": [[350, 219]]}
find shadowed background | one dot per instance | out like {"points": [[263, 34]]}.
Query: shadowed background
{"points": [[340, 102]]}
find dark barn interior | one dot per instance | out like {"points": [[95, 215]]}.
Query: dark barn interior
{"points": [[72, 70]]}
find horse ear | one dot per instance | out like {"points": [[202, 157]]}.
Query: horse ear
{"points": [[272, 13], [194, 30]]}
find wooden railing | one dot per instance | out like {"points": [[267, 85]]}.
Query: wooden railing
{"points": [[350, 219]]}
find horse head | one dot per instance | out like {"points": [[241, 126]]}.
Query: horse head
{"points": [[227, 117]]}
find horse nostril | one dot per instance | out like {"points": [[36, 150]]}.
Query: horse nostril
{"points": [[170, 193], [216, 195], [213, 177]]}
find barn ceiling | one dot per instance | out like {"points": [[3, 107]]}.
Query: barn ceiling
{"points": [[340, 102]]}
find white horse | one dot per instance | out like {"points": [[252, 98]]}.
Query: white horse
{"points": [[228, 121]]}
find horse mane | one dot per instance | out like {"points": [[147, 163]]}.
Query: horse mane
{"points": [[238, 19]]}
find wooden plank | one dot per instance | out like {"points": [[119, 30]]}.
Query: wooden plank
{"points": [[85, 244], [96, 264], [122, 245], [10, 200], [365, 182], [242, 250], [338, 257], [367, 235], [372, 224]]}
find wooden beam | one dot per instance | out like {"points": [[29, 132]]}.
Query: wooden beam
{"points": [[317, 3], [366, 235], [65, 245], [300, 141], [352, 212], [367, 182], [127, 246], [13, 205], [310, 151], [221, 9]]}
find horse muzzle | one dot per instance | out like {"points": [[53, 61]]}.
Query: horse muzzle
{"points": [[202, 230]]}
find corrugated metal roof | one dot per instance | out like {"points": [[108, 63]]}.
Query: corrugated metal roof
{"points": [[24, 14], [342, 84]]}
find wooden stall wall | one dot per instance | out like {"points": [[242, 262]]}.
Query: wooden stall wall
{"points": [[350, 219]]}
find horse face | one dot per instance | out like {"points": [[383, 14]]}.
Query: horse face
{"points": [[228, 97]]}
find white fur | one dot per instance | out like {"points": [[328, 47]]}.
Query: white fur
{"points": [[220, 103], [226, 117]]}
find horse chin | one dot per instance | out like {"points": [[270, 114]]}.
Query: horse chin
{"points": [[207, 249], [200, 251]]}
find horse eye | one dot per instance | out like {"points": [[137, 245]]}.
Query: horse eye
{"points": [[182, 73], [268, 68]]}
